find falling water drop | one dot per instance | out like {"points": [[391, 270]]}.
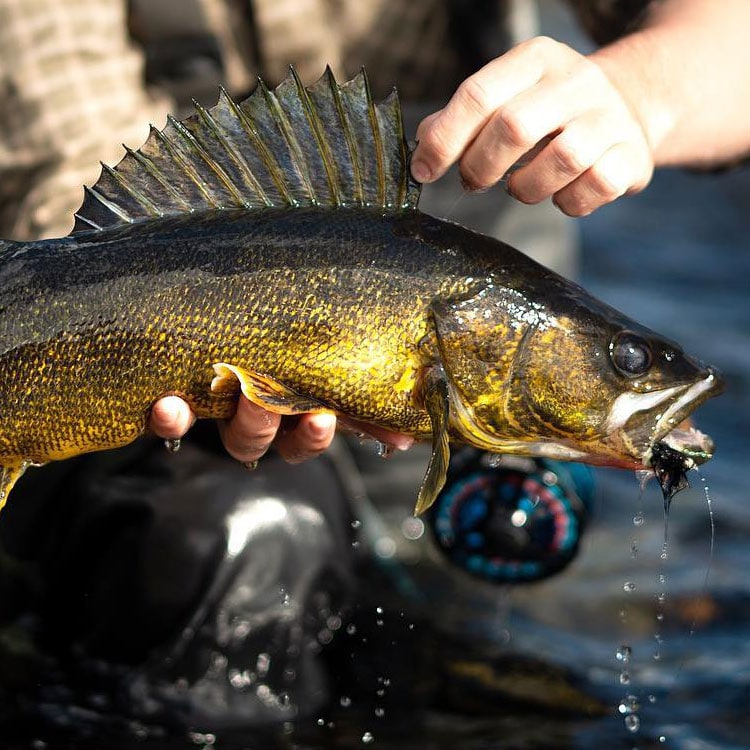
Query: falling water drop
{"points": [[384, 450], [629, 587], [173, 444], [632, 723], [367, 738]]}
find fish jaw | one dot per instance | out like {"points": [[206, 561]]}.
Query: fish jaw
{"points": [[638, 421]]}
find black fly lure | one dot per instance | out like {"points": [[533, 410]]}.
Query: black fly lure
{"points": [[671, 467]]}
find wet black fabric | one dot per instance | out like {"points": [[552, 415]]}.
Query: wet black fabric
{"points": [[190, 588]]}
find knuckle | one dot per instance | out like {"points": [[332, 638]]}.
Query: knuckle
{"points": [[572, 204], [475, 95], [513, 127], [603, 182], [471, 178], [544, 46], [524, 193], [568, 157]]}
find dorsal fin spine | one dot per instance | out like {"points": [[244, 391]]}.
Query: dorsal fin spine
{"points": [[359, 195], [149, 166], [403, 188], [377, 140], [91, 224], [192, 145], [285, 130], [265, 155], [108, 204], [181, 162], [124, 185], [319, 135], [231, 153]]}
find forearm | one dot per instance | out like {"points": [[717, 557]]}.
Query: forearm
{"points": [[686, 76]]}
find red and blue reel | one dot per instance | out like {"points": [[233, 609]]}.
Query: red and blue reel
{"points": [[506, 519]]}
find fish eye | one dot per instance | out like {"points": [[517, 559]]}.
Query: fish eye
{"points": [[631, 354]]}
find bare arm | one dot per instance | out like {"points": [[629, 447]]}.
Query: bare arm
{"points": [[675, 92]]}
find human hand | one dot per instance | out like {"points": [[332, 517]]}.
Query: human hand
{"points": [[553, 111], [251, 431]]}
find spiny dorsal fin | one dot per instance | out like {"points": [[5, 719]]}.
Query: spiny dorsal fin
{"points": [[326, 145]]}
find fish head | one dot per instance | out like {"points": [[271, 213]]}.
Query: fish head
{"points": [[553, 372]]}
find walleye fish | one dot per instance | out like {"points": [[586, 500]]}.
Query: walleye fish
{"points": [[275, 247]]}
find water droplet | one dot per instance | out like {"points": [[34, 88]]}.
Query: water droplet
{"points": [[351, 629], [493, 460], [333, 622], [412, 528], [263, 664], [321, 722], [356, 523], [662, 738], [385, 547], [629, 587], [624, 653], [634, 549], [638, 519], [380, 712], [379, 623], [367, 738], [624, 678], [632, 723], [384, 450], [345, 701], [549, 478], [379, 610], [173, 444]]}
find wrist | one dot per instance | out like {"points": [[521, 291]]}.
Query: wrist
{"points": [[632, 67]]}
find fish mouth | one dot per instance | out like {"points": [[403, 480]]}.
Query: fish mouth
{"points": [[641, 433]]}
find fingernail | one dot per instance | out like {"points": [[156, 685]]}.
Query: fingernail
{"points": [[420, 171]]}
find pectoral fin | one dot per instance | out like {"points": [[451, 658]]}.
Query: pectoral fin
{"points": [[9, 475], [435, 397], [263, 391]]}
